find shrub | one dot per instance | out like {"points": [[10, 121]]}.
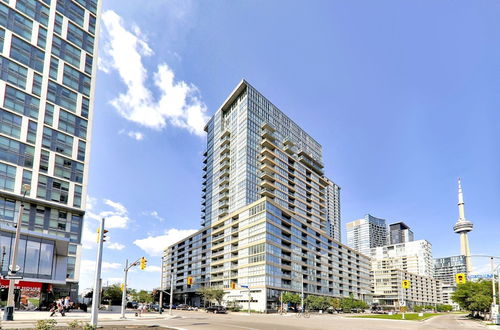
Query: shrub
{"points": [[46, 324]]}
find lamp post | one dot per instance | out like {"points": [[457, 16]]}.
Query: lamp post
{"points": [[8, 314], [494, 306]]}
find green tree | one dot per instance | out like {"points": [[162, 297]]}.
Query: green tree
{"points": [[210, 294], [475, 297], [291, 298], [142, 296], [444, 308], [112, 294], [335, 303]]}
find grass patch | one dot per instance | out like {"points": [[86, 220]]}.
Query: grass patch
{"points": [[408, 316]]}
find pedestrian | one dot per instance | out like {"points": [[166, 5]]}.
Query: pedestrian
{"points": [[66, 303], [57, 308]]}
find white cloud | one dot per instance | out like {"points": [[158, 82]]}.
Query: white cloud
{"points": [[154, 245], [88, 266], [114, 246], [178, 104], [153, 269], [118, 207], [155, 215], [133, 134], [115, 218]]}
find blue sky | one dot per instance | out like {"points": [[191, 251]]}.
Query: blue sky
{"points": [[402, 95]]}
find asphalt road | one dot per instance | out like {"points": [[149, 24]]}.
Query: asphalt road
{"points": [[236, 321]]}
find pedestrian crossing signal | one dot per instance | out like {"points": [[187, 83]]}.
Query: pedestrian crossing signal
{"points": [[460, 278], [405, 284]]}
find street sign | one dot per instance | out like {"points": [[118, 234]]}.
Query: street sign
{"points": [[479, 276], [402, 303], [244, 286], [17, 268], [405, 284], [460, 278], [13, 277]]}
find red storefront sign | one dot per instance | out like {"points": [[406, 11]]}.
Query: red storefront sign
{"points": [[23, 285]]}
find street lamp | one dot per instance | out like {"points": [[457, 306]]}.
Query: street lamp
{"points": [[8, 314]]}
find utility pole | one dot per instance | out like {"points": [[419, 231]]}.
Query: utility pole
{"points": [[249, 298], [494, 307], [124, 293], [160, 309], [8, 314], [96, 297]]}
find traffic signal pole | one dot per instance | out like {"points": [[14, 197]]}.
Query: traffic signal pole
{"points": [[96, 297], [124, 293]]}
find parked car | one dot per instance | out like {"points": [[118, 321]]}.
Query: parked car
{"points": [[183, 307], [132, 304], [192, 308], [216, 309], [155, 307]]}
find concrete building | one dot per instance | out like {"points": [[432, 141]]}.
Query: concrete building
{"points": [[333, 210], [265, 214], [413, 257], [445, 270], [48, 65], [463, 227], [367, 233], [399, 232], [388, 291]]}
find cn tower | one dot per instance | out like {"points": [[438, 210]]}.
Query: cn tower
{"points": [[462, 227]]}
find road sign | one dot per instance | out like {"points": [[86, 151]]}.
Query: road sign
{"points": [[460, 278], [17, 268], [244, 286], [13, 277], [479, 276], [402, 303], [405, 284]]}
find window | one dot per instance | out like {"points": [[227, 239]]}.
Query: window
{"points": [[2, 38], [81, 150], [46, 257], [49, 114], [88, 64], [77, 197], [34, 9], [89, 4], [57, 141], [27, 177], [62, 96], [37, 84], [44, 161], [26, 54], [64, 50], [10, 124], [7, 209], [58, 24], [66, 168], [42, 37], [13, 73], [54, 64], [71, 10], [31, 137], [7, 177], [85, 107], [76, 80], [15, 22], [80, 38], [52, 189], [72, 124], [16, 152], [21, 102]]}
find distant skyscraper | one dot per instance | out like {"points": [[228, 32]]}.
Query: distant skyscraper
{"points": [[462, 227], [366, 233], [414, 257], [400, 233], [445, 270], [333, 210], [47, 78]]}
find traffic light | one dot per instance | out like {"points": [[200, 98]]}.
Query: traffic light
{"points": [[233, 285], [190, 280], [460, 278], [143, 263], [405, 284], [103, 235]]}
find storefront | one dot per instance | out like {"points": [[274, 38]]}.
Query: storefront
{"points": [[28, 295]]}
